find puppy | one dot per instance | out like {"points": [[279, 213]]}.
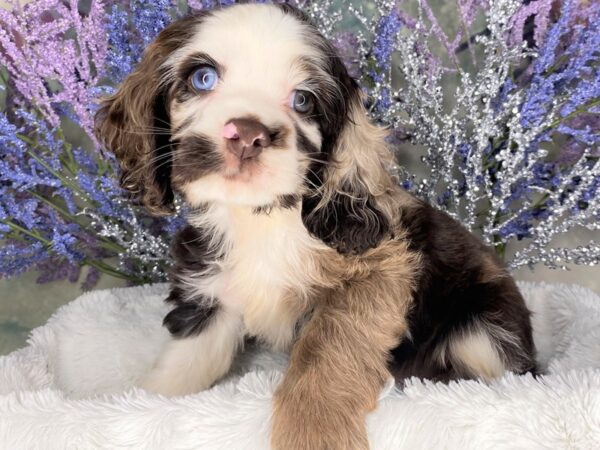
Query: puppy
{"points": [[298, 236]]}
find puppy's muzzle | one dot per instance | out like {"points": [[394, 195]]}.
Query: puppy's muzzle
{"points": [[246, 138]]}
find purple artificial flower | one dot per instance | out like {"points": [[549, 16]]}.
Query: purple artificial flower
{"points": [[16, 257], [17, 172], [195, 5], [91, 279], [551, 75], [585, 135], [63, 243], [468, 10], [587, 90], [590, 193], [150, 17], [53, 54], [130, 30], [210, 4], [546, 175], [408, 184], [55, 269], [519, 227], [582, 126], [437, 31], [8, 137], [34, 198], [445, 199], [384, 44], [384, 101], [122, 54], [507, 87], [540, 11], [547, 56]]}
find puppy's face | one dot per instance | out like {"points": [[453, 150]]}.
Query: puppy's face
{"points": [[250, 105], [245, 104]]}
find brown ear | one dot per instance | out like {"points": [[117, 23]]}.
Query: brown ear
{"points": [[134, 122], [348, 201], [350, 209]]}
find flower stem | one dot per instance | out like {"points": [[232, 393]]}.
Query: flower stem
{"points": [[106, 243], [579, 110], [27, 232], [101, 266], [107, 269]]}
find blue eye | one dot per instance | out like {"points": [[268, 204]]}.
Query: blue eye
{"points": [[303, 102], [205, 78]]}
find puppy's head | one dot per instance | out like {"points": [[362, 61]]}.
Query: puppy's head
{"points": [[250, 105]]}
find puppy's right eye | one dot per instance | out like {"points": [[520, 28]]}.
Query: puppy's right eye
{"points": [[204, 78]]}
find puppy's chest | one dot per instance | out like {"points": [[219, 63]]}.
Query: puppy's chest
{"points": [[265, 275], [257, 271]]}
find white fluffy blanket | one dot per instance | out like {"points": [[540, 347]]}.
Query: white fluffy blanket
{"points": [[71, 387]]}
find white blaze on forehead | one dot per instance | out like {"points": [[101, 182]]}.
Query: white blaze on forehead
{"points": [[256, 44], [259, 40]]}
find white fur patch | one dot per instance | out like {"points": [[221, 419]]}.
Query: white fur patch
{"points": [[190, 365], [266, 271], [476, 353], [260, 288]]}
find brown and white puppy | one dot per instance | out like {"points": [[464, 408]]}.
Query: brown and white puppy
{"points": [[299, 237]]}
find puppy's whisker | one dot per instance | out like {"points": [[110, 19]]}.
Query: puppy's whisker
{"points": [[154, 160], [143, 130], [162, 120], [304, 179], [170, 158], [315, 160]]}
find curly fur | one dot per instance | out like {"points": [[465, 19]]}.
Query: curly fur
{"points": [[308, 245]]}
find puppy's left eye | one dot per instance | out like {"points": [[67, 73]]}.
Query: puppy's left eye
{"points": [[204, 78], [303, 102]]}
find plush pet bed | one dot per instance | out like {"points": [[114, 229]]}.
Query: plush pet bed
{"points": [[71, 387]]}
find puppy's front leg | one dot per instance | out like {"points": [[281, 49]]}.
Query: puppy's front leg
{"points": [[193, 363], [336, 371]]}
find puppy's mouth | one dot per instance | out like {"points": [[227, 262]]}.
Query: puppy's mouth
{"points": [[244, 142], [240, 169]]}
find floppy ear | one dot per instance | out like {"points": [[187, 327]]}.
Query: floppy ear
{"points": [[134, 122], [349, 204]]}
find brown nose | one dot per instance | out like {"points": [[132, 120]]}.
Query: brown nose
{"points": [[246, 138]]}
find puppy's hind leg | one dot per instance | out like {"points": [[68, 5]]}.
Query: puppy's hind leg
{"points": [[474, 354], [197, 356], [486, 350]]}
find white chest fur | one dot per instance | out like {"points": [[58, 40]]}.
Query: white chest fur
{"points": [[266, 272]]}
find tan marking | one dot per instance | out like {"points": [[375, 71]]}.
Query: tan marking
{"points": [[491, 270], [339, 363]]}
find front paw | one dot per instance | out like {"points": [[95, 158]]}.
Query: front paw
{"points": [[161, 383], [313, 421], [170, 383], [156, 384]]}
